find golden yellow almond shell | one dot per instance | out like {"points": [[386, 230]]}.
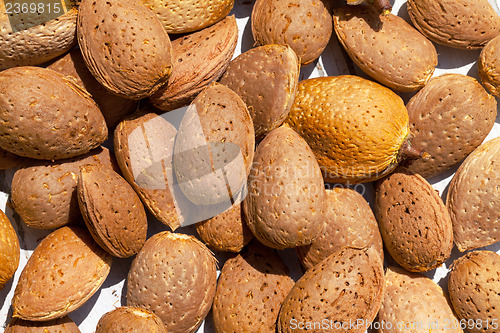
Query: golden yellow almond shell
{"points": [[356, 128], [9, 250]]}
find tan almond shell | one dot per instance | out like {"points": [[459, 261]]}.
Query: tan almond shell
{"points": [[266, 78], [449, 118], [385, 47], [68, 122], [173, 276], [226, 232], [60, 325], [39, 44], [285, 203], [158, 200], [305, 25], [346, 286], [112, 211], [187, 16], [131, 320], [10, 161], [349, 221], [9, 250], [414, 298], [473, 198], [489, 66], [355, 127], [464, 24], [200, 58], [44, 194], [63, 272], [413, 220], [473, 286], [113, 108], [219, 122], [125, 46], [251, 288]]}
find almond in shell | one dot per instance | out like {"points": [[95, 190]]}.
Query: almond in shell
{"points": [[59, 325], [489, 66], [64, 271], [9, 250], [413, 220], [130, 319]]}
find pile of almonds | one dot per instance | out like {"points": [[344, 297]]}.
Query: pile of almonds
{"points": [[115, 109]]}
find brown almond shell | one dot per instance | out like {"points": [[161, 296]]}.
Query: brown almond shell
{"points": [[59, 325], [488, 66], [131, 320], [9, 250]]}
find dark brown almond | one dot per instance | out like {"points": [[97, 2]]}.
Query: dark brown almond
{"points": [[413, 220], [449, 118]]}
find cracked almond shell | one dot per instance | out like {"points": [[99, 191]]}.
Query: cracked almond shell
{"points": [[68, 122], [266, 79], [349, 221], [64, 271], [489, 66], [464, 24], [473, 198], [414, 298], [174, 276], [112, 211], [473, 286], [59, 325], [44, 194], [181, 16], [9, 250], [251, 288], [305, 25], [355, 127], [385, 47], [449, 118], [131, 320], [413, 220], [346, 286], [200, 58], [27, 44], [285, 203], [125, 46]]}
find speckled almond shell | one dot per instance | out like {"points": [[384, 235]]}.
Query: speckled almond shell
{"points": [[285, 203], [305, 25], [449, 118], [465, 24], [489, 66], [473, 286], [36, 45], [133, 152], [112, 211], [180, 16], [63, 272], [9, 250], [473, 198], [251, 288], [173, 276], [131, 320], [266, 78], [113, 108], [68, 122], [413, 220], [349, 221], [200, 58], [354, 126], [44, 194], [9, 160], [125, 46], [60, 325], [385, 47], [223, 127], [414, 298], [227, 232], [346, 286]]}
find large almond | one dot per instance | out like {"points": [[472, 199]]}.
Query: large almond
{"points": [[68, 122], [199, 59], [64, 271], [125, 46]]}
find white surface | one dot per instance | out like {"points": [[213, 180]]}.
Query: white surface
{"points": [[331, 63]]}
